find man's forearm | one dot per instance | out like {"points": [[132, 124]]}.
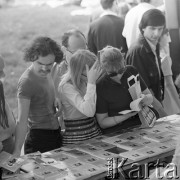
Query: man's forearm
{"points": [[20, 134]]}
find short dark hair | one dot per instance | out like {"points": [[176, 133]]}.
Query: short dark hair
{"points": [[69, 33], [107, 4], [43, 46], [152, 17]]}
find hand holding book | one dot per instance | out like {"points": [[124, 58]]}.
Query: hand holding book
{"points": [[147, 99]]}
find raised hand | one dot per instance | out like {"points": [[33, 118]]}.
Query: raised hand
{"points": [[93, 73]]}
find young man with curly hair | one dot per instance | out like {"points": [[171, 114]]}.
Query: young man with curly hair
{"points": [[37, 104]]}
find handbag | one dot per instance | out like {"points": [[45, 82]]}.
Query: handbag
{"points": [[148, 115]]}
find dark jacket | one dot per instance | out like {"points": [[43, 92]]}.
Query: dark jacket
{"points": [[106, 30], [141, 56]]}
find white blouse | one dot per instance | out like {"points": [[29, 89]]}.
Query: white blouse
{"points": [[75, 106]]}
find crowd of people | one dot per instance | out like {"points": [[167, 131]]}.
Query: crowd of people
{"points": [[84, 83]]}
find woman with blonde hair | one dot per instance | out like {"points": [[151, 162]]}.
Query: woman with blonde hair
{"points": [[78, 95]]}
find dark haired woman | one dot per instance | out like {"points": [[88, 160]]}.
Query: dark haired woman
{"points": [[7, 121]]}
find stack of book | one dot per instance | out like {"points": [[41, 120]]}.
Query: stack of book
{"points": [[91, 158]]}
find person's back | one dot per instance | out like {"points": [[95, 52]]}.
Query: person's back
{"points": [[72, 40], [107, 30], [132, 20]]}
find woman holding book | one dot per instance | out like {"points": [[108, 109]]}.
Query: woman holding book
{"points": [[78, 95], [7, 120], [113, 95]]}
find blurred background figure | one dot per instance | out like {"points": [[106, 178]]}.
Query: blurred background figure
{"points": [[107, 30], [72, 40], [124, 7], [171, 100], [133, 17], [7, 120], [132, 3]]}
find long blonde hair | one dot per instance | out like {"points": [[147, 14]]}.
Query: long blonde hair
{"points": [[76, 67]]}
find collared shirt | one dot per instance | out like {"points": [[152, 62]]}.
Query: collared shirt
{"points": [[108, 12], [113, 97], [153, 47], [76, 106]]}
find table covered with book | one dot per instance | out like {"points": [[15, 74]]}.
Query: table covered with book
{"points": [[96, 158]]}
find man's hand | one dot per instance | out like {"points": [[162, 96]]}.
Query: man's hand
{"points": [[58, 107]]}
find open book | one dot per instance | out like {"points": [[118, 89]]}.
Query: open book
{"points": [[134, 105]]}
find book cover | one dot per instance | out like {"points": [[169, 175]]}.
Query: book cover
{"points": [[53, 153], [104, 154], [133, 155], [87, 169], [30, 166], [76, 153], [140, 132], [116, 150], [128, 136], [88, 148], [161, 137], [149, 152], [113, 140], [94, 160], [49, 172], [102, 145], [8, 174], [10, 163], [129, 145], [26, 176], [164, 147], [143, 142], [154, 130]]}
